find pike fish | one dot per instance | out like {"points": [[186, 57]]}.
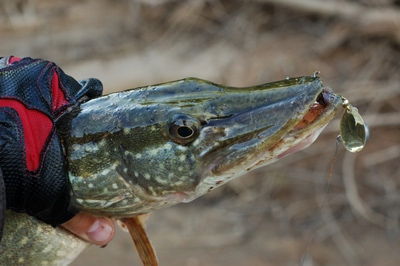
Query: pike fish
{"points": [[140, 150]]}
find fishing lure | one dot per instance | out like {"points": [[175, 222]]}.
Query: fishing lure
{"points": [[353, 130]]}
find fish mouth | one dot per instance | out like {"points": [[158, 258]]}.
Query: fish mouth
{"points": [[314, 121]]}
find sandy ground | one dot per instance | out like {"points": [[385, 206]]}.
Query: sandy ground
{"points": [[272, 216]]}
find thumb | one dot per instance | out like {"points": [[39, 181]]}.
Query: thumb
{"points": [[98, 231]]}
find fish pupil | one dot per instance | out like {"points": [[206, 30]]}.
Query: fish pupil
{"points": [[185, 132]]}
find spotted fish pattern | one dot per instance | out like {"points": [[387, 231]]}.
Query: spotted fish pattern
{"points": [[140, 150]]}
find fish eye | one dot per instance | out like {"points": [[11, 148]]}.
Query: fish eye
{"points": [[183, 129]]}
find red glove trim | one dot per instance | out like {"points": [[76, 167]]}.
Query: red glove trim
{"points": [[58, 97], [13, 59], [37, 128]]}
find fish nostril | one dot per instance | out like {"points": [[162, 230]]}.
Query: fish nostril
{"points": [[203, 122], [320, 99]]}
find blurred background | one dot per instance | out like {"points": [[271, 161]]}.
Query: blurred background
{"points": [[272, 216]]}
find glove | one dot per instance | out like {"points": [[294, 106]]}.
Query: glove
{"points": [[34, 93]]}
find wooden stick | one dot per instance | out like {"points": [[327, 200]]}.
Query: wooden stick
{"points": [[142, 243]]}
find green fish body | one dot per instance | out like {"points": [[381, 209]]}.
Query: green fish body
{"points": [[140, 150]]}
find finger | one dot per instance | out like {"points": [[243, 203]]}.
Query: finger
{"points": [[98, 231]]}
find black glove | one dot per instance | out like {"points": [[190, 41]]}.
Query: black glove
{"points": [[34, 93]]}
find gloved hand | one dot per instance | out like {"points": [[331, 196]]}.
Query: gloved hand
{"points": [[34, 93]]}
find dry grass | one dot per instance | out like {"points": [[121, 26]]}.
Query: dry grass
{"points": [[270, 216]]}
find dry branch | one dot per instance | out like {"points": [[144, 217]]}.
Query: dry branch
{"points": [[364, 20], [357, 204], [381, 156]]}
